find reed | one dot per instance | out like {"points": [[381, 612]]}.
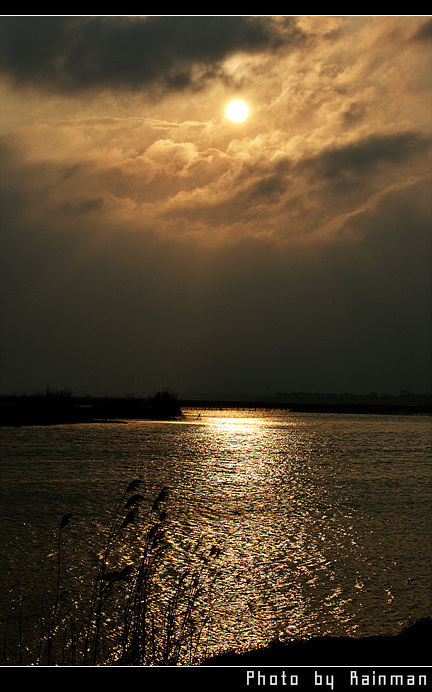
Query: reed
{"points": [[159, 618]]}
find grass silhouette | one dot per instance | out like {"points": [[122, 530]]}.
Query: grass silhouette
{"points": [[132, 616], [155, 611]]}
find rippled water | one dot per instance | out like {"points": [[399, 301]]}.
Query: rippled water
{"points": [[323, 521]]}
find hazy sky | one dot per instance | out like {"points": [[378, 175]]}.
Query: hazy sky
{"points": [[147, 241]]}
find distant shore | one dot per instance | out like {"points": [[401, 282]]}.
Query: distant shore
{"points": [[324, 402], [408, 648], [61, 408], [299, 407], [57, 408]]}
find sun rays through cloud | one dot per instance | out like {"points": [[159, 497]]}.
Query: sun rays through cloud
{"points": [[150, 231]]}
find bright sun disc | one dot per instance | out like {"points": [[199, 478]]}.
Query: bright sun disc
{"points": [[237, 111]]}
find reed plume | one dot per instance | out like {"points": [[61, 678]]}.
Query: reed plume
{"points": [[157, 624]]}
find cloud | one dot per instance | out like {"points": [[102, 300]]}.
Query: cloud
{"points": [[166, 53], [149, 242], [424, 31], [363, 156], [351, 172]]}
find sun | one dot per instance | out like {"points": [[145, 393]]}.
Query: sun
{"points": [[237, 111]]}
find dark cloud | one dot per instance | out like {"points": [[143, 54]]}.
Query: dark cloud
{"points": [[354, 113], [130, 311], [71, 54], [363, 156], [424, 33], [177, 249]]}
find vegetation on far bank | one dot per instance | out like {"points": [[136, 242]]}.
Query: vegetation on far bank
{"points": [[51, 407]]}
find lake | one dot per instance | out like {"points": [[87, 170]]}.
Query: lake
{"points": [[316, 523]]}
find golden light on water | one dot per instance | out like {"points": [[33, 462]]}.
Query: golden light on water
{"points": [[282, 531], [268, 508]]}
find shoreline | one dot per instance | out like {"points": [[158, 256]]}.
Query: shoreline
{"points": [[406, 648], [19, 411]]}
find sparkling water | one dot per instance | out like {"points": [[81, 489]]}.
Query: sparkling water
{"points": [[319, 523]]}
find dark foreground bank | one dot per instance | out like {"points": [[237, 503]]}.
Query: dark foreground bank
{"points": [[409, 648]]}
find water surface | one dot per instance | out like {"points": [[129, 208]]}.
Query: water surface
{"points": [[322, 520]]}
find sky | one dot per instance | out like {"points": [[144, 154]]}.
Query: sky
{"points": [[147, 241]]}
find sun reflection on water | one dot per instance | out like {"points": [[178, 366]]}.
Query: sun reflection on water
{"points": [[310, 518], [276, 518]]}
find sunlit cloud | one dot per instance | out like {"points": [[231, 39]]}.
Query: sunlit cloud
{"points": [[231, 244]]}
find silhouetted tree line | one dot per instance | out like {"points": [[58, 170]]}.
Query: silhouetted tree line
{"points": [[53, 407], [405, 398], [317, 402]]}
